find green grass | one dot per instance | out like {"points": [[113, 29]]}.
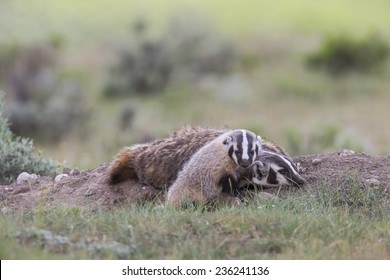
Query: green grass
{"points": [[320, 225]]}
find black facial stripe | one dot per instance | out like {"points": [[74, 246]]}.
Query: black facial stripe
{"points": [[250, 146], [280, 162], [237, 147], [231, 150], [240, 139], [271, 179]]}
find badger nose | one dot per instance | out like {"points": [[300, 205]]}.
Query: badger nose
{"points": [[298, 182], [245, 163]]}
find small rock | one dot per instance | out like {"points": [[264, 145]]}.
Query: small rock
{"points": [[316, 161], [346, 152], [372, 182], [75, 172], [24, 176], [59, 177], [8, 189]]}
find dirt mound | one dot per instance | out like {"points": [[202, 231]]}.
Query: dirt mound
{"points": [[344, 167], [88, 189]]}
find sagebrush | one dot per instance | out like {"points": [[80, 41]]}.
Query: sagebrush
{"points": [[17, 154], [185, 50], [341, 54], [46, 99]]}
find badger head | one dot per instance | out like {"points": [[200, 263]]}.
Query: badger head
{"points": [[243, 146], [272, 169]]}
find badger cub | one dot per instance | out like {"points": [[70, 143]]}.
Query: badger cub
{"points": [[271, 169], [214, 167]]}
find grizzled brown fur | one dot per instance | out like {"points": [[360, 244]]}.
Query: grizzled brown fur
{"points": [[157, 164]]}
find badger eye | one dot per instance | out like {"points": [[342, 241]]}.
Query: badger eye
{"points": [[251, 153], [238, 153], [284, 172], [259, 176]]}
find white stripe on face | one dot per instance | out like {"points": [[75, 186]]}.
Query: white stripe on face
{"points": [[286, 161], [245, 143], [234, 156]]}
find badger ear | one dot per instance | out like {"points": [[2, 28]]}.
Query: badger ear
{"points": [[261, 168], [258, 138], [259, 164], [228, 140]]}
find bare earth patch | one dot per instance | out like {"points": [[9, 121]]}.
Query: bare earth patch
{"points": [[88, 189]]}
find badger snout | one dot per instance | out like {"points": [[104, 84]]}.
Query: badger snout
{"points": [[245, 163], [297, 181]]}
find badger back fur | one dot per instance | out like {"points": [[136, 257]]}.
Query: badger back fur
{"points": [[157, 164], [220, 162]]}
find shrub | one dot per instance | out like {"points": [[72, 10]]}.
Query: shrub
{"points": [[184, 50], [197, 48], [145, 69], [342, 54], [17, 155], [43, 102]]}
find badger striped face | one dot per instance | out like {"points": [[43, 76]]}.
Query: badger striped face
{"points": [[271, 169], [243, 147]]}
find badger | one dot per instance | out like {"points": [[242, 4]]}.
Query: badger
{"points": [[271, 169], [214, 168], [158, 163]]}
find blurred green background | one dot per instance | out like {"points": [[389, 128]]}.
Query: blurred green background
{"points": [[84, 78]]}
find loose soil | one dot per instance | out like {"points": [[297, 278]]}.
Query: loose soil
{"points": [[88, 189]]}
